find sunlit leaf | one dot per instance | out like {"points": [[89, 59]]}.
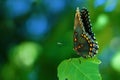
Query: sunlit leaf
{"points": [[79, 69]]}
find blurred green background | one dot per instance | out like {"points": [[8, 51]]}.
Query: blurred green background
{"points": [[36, 35]]}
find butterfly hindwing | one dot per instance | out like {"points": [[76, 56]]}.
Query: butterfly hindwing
{"points": [[80, 44]]}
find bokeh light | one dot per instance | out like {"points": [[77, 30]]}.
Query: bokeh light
{"points": [[99, 2], [116, 61], [36, 26], [22, 7], [25, 54], [110, 5], [101, 22], [55, 6]]}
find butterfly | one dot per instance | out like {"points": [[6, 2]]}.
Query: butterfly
{"points": [[85, 43]]}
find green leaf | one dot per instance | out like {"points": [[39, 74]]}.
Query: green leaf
{"points": [[79, 69]]}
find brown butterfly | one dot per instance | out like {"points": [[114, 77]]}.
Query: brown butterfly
{"points": [[84, 39]]}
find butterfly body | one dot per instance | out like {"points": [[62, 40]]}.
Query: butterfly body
{"points": [[84, 40]]}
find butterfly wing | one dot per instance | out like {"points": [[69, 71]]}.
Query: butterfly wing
{"points": [[86, 22], [84, 43], [80, 42]]}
